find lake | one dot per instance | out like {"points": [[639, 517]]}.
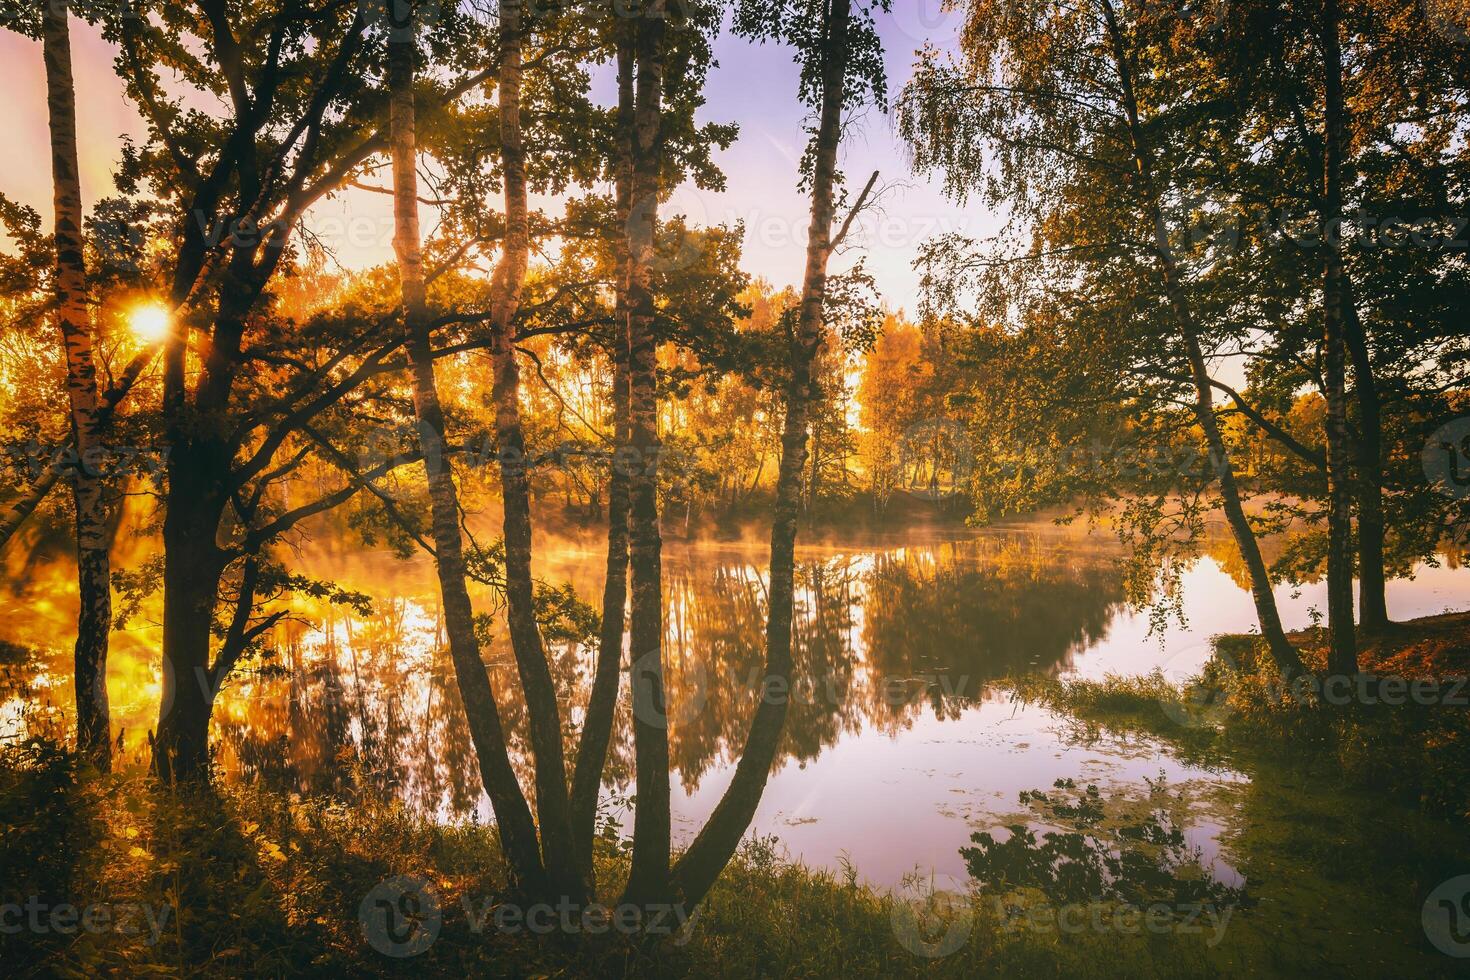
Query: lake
{"points": [[898, 745]]}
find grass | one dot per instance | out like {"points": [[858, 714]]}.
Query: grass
{"points": [[243, 882]]}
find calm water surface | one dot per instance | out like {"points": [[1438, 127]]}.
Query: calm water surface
{"points": [[896, 751]]}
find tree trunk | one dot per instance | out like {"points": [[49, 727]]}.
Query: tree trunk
{"points": [[512, 814], [192, 568], [712, 849], [1282, 652], [602, 703], [94, 577], [200, 481], [1372, 587], [1287, 661], [648, 880], [558, 850], [1343, 654], [200, 478]]}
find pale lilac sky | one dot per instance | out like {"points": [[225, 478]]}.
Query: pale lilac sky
{"points": [[754, 86]]}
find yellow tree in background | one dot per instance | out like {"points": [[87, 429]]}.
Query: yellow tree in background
{"points": [[895, 394]]}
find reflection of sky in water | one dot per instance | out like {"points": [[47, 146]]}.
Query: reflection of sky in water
{"points": [[891, 804], [1213, 604], [890, 784]]}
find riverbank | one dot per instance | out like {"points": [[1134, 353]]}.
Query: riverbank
{"points": [[112, 874], [280, 884], [1402, 727]]}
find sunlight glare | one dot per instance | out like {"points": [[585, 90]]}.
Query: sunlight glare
{"points": [[151, 322]]}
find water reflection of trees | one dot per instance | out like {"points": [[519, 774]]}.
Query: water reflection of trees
{"points": [[880, 639], [361, 702], [1117, 849], [717, 630], [959, 615]]}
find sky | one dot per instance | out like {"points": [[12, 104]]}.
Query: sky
{"points": [[756, 86], [753, 85]]}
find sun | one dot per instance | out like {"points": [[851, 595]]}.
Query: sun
{"points": [[150, 322]]}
